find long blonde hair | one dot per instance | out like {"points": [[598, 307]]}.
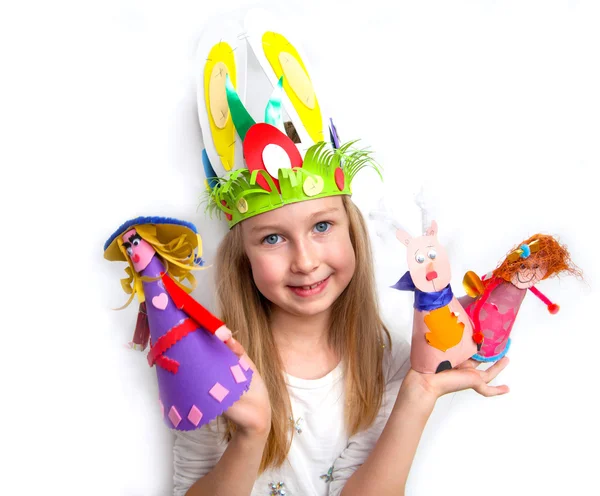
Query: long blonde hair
{"points": [[357, 334]]}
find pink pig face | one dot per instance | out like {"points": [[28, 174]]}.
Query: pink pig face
{"points": [[140, 252], [528, 275], [427, 260]]}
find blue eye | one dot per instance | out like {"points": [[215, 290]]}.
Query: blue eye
{"points": [[271, 239], [322, 226]]}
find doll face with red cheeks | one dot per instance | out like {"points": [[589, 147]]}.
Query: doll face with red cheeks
{"points": [[301, 255], [528, 275], [140, 252]]}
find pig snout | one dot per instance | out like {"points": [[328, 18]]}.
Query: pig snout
{"points": [[431, 274]]}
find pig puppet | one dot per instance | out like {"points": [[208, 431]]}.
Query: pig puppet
{"points": [[443, 335]]}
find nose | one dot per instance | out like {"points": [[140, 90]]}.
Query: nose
{"points": [[430, 274], [306, 259], [135, 258]]}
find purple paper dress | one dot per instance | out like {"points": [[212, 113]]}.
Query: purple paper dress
{"points": [[209, 378]]}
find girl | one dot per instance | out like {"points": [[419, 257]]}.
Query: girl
{"points": [[333, 407]]}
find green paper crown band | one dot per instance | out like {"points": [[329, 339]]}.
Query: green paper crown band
{"points": [[324, 172]]}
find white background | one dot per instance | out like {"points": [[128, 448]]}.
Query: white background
{"points": [[493, 106]]}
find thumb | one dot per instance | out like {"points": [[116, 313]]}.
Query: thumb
{"points": [[239, 350]]}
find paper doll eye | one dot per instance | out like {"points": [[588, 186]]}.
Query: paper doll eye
{"points": [[129, 250], [432, 254], [420, 258], [135, 242], [523, 266], [536, 267]]}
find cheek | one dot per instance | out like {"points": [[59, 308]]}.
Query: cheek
{"points": [[267, 271], [144, 251], [342, 257], [442, 265]]}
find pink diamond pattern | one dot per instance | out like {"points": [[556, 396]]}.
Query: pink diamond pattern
{"points": [[244, 363], [238, 375], [218, 392], [174, 416], [195, 415]]}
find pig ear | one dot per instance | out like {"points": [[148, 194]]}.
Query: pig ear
{"points": [[403, 236], [433, 229]]}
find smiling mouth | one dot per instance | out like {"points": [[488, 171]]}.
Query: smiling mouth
{"points": [[310, 289], [524, 282]]}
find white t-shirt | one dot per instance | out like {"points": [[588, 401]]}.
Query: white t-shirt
{"points": [[322, 457]]}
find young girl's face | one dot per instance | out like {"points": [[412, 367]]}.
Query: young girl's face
{"points": [[301, 254]]}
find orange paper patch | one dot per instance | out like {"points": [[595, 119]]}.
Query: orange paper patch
{"points": [[446, 330]]}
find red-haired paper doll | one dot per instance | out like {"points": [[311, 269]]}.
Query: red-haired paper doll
{"points": [[499, 294]]}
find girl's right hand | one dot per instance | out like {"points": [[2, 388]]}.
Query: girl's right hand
{"points": [[465, 376], [252, 412]]}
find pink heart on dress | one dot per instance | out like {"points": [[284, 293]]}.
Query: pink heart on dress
{"points": [[160, 301]]}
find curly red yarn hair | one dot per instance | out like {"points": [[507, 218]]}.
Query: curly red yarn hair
{"points": [[551, 255]]}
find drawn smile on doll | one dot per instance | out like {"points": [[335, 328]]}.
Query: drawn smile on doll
{"points": [[310, 289], [525, 281]]}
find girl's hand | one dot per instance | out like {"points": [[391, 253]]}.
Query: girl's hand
{"points": [[252, 412], [465, 376], [223, 333]]}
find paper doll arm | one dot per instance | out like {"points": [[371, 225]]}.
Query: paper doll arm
{"points": [[191, 307], [552, 307]]}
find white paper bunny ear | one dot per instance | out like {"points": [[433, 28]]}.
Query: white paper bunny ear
{"points": [[221, 52], [421, 202], [279, 55], [386, 221]]}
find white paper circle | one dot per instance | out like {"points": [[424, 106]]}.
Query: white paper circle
{"points": [[275, 158]]}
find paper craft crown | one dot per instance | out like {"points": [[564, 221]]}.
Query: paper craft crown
{"points": [[277, 171]]}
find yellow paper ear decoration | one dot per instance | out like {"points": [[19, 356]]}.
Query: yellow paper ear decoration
{"points": [[217, 103], [286, 61], [298, 79], [219, 63]]}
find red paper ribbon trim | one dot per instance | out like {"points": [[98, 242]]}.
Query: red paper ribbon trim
{"points": [[155, 356]]}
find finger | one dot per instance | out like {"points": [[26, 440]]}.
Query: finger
{"points": [[223, 333], [487, 390], [491, 373], [235, 346], [469, 364]]}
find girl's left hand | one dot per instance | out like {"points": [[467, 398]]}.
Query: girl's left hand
{"points": [[465, 376]]}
